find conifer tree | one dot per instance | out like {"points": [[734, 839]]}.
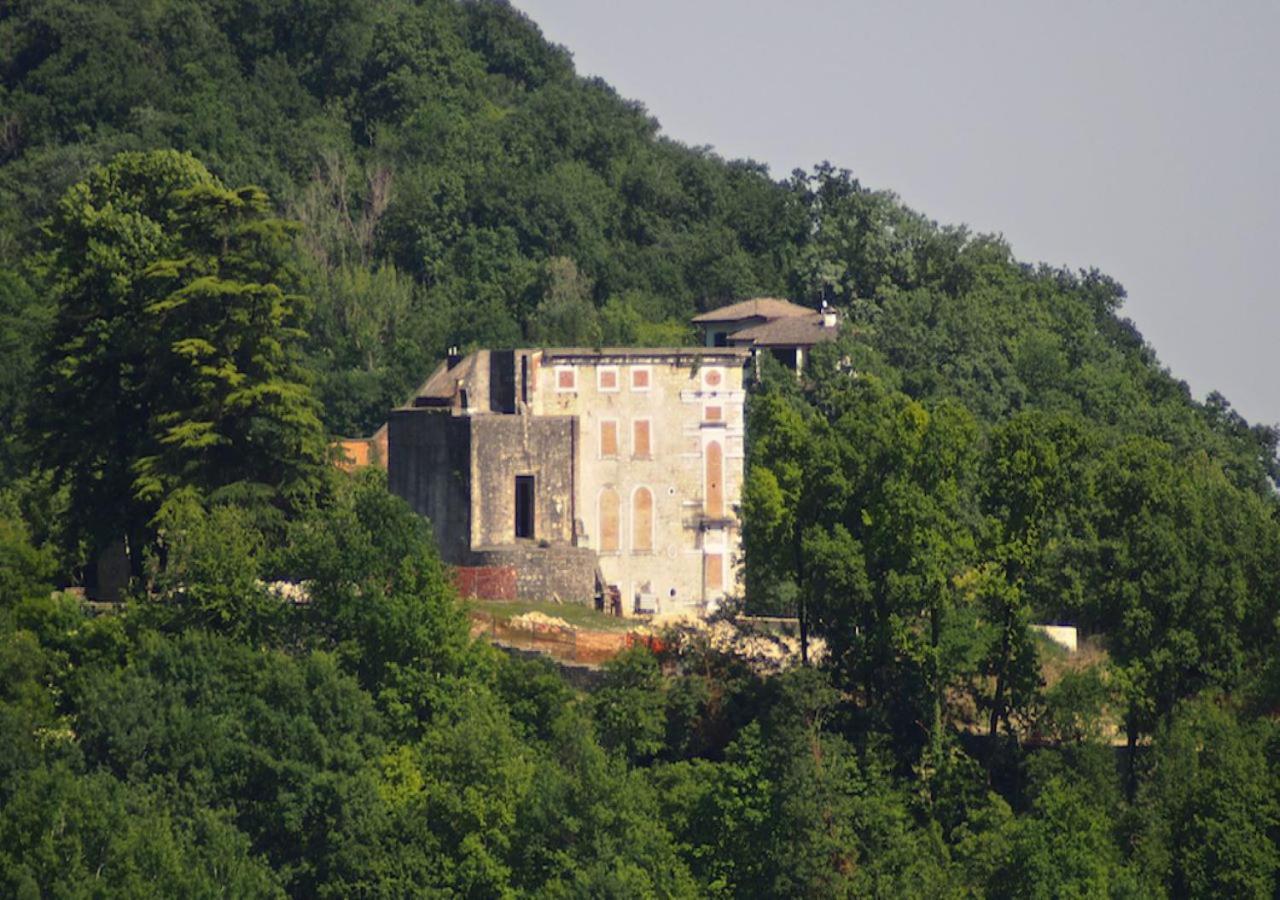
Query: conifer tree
{"points": [[174, 358]]}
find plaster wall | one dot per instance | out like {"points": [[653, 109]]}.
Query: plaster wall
{"points": [[690, 402]]}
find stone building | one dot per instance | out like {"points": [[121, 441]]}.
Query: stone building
{"points": [[573, 473]]}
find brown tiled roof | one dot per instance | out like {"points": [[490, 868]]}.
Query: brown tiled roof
{"points": [[443, 379], [793, 332], [759, 308]]}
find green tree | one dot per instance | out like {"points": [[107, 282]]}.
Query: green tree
{"points": [[24, 321], [1183, 587], [68, 834], [381, 600], [869, 507], [1209, 811], [628, 707], [25, 570], [1064, 847], [565, 316], [174, 360], [1037, 491]]}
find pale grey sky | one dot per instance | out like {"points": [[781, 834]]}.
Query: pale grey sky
{"points": [[1139, 137]]}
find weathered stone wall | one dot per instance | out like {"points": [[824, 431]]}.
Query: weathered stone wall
{"points": [[503, 447], [556, 572], [429, 466]]}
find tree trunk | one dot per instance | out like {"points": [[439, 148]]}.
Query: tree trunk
{"points": [[802, 607], [935, 718], [1002, 665], [1131, 762]]}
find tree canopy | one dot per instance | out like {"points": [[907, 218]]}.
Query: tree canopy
{"points": [[233, 229], [174, 356]]}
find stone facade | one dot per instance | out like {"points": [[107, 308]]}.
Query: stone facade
{"points": [[624, 465], [555, 572]]}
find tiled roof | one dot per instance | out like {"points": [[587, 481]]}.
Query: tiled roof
{"points": [[442, 382], [793, 332], [759, 308]]}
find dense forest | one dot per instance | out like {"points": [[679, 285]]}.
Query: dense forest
{"points": [[231, 230]]}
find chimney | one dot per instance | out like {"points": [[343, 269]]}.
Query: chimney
{"points": [[828, 315], [453, 358]]}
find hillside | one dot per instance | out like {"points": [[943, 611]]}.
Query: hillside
{"points": [[459, 185], [232, 229]]}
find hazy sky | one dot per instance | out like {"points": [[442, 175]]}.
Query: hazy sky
{"points": [[1142, 138]]}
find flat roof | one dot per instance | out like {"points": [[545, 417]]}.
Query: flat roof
{"points": [[634, 353]]}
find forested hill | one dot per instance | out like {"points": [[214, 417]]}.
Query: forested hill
{"points": [[457, 183], [231, 229]]}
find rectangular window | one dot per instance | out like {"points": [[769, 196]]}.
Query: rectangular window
{"points": [[607, 378], [640, 438], [566, 378], [713, 414], [608, 438], [715, 572], [640, 379], [524, 506]]}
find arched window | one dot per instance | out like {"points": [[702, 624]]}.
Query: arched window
{"points": [[609, 521], [715, 481], [642, 520]]}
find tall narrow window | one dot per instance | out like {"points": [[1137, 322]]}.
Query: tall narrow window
{"points": [[609, 521], [715, 481], [715, 572], [642, 520], [608, 438], [524, 506], [640, 438]]}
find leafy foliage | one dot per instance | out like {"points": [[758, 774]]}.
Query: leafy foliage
{"points": [[173, 361], [291, 703]]}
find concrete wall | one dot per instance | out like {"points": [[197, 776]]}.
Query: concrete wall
{"points": [[429, 465], [504, 446], [691, 402]]}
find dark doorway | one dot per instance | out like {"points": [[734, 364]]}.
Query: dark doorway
{"points": [[524, 506]]}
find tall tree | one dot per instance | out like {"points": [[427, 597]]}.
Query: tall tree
{"points": [[174, 354]]}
